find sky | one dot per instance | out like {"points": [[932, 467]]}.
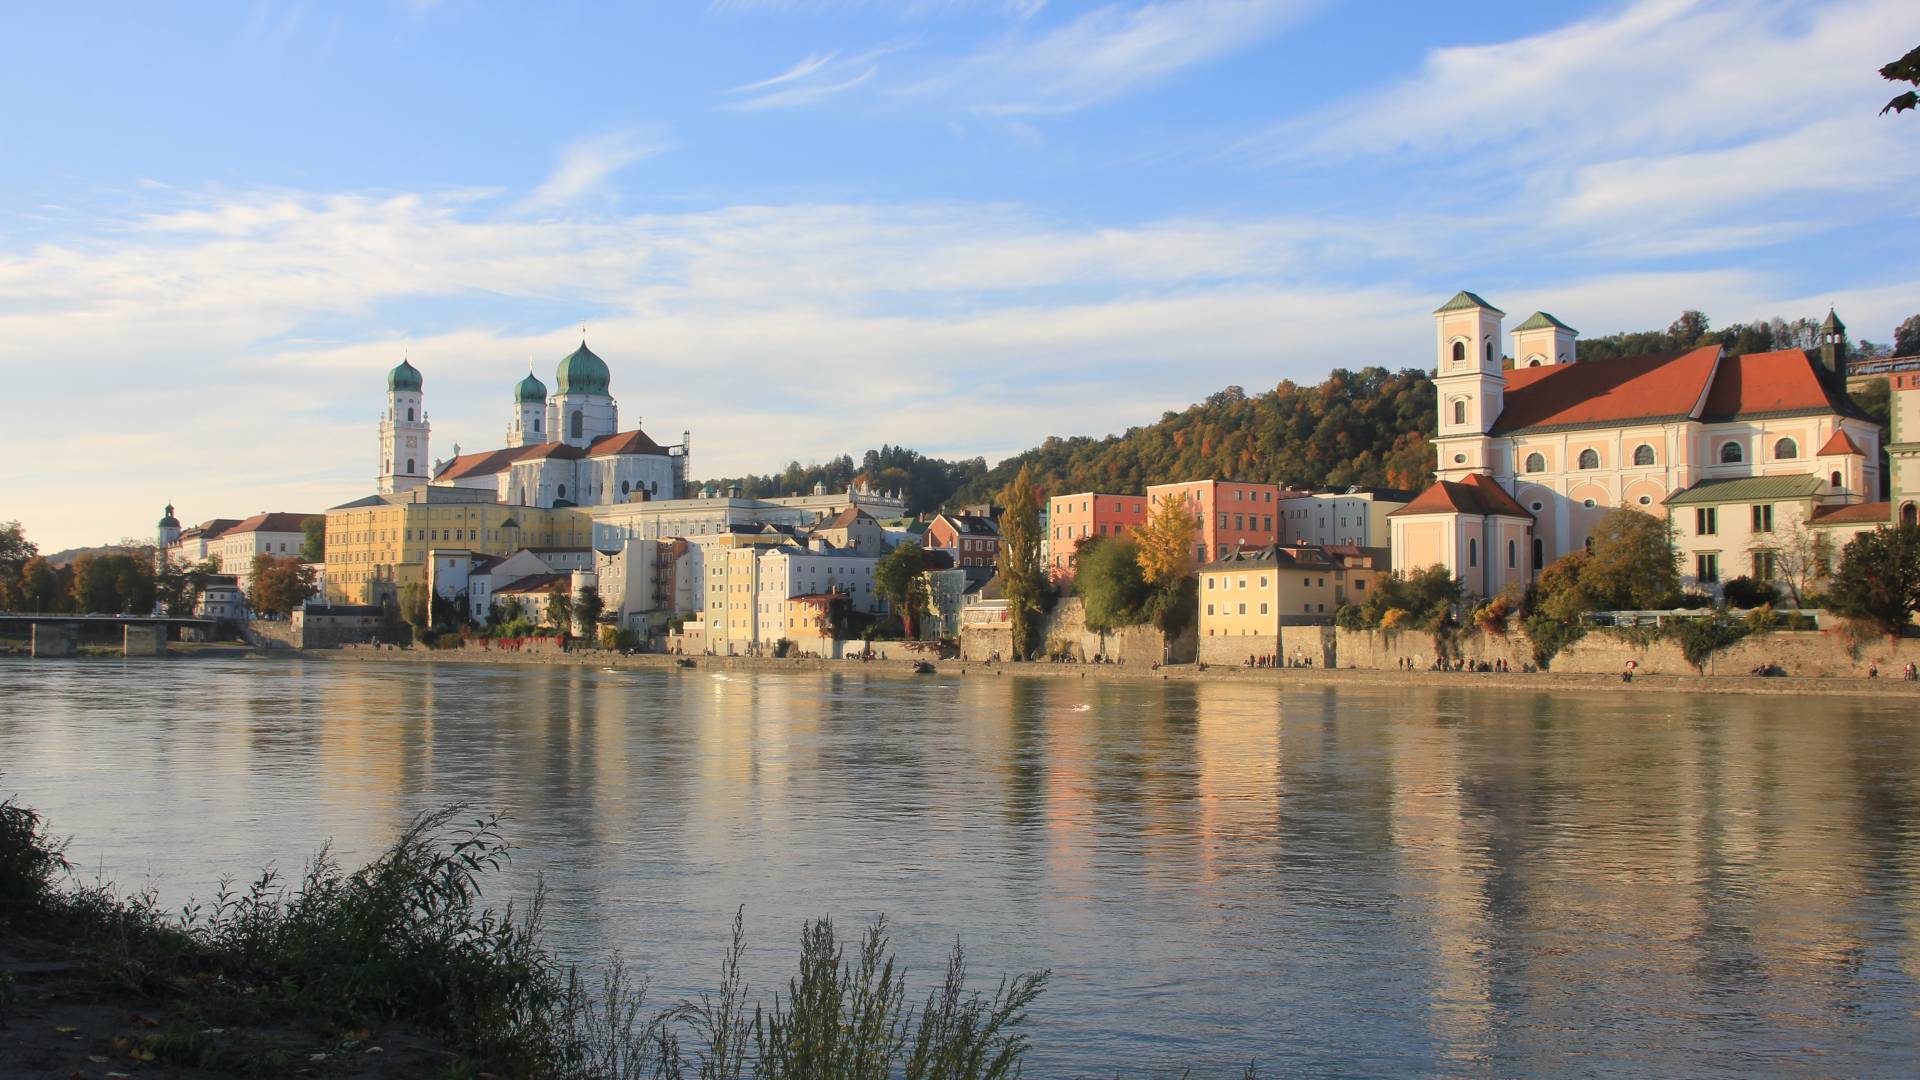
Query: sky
{"points": [[802, 228]]}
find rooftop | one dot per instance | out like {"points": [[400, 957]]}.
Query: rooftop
{"points": [[1746, 489], [1477, 494]]}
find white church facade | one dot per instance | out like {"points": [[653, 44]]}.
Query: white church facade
{"points": [[1530, 458], [563, 450]]}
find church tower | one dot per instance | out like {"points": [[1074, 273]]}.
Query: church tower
{"points": [[528, 427], [1543, 341], [1469, 384], [403, 432], [168, 535], [582, 408]]}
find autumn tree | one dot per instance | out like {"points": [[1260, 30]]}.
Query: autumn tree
{"points": [[177, 586], [416, 606], [15, 552], [1878, 580], [279, 584], [114, 583], [898, 578], [1022, 580], [1632, 563], [1165, 542]]}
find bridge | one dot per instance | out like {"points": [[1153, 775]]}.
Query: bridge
{"points": [[140, 635]]}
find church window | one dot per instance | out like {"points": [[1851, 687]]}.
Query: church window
{"points": [[1536, 463], [409, 466], [562, 490], [409, 416], [1539, 552], [1459, 353], [1785, 450], [1731, 454], [1643, 454], [1473, 552], [1459, 411], [1836, 479], [1589, 459], [1588, 503], [1533, 361], [1908, 516], [576, 425], [1513, 554], [1646, 500], [625, 487], [1459, 459], [1489, 352]]}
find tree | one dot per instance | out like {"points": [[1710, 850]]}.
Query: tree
{"points": [[15, 552], [279, 584], [1879, 578], [1906, 337], [41, 590], [112, 584], [897, 577], [1688, 329], [177, 586], [1801, 558], [314, 548], [1111, 584], [1165, 543], [587, 607], [1022, 581], [1632, 563], [416, 607], [1906, 70], [560, 608]]}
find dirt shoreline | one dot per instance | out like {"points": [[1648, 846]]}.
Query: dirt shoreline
{"points": [[1295, 678]]}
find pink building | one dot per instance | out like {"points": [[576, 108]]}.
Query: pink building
{"points": [[1232, 514], [1073, 518]]}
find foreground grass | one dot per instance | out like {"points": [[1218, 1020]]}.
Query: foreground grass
{"points": [[255, 975]]}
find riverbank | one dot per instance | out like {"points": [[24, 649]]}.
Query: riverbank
{"points": [[1279, 678]]}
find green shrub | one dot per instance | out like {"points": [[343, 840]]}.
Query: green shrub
{"points": [[31, 862], [1549, 635], [1746, 592], [1699, 639]]}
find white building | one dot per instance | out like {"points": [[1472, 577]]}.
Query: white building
{"points": [[1356, 517]]}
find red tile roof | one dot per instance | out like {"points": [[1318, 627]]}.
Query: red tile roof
{"points": [[1841, 443], [1478, 495], [549, 450], [1760, 384], [485, 463], [1631, 388], [625, 442], [1873, 513], [279, 522]]}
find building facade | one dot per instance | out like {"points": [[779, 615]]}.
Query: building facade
{"points": [[378, 545], [971, 540], [1230, 514], [1253, 592], [1073, 518]]}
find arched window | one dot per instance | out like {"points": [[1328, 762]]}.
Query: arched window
{"points": [[1836, 479], [1459, 411], [1539, 552], [575, 425], [1643, 454], [1489, 352], [1589, 458], [409, 466], [1731, 454], [1533, 361], [561, 491], [1513, 554], [409, 416], [536, 425], [1536, 463], [1785, 450], [1473, 552], [1907, 516], [1459, 353], [625, 487]]}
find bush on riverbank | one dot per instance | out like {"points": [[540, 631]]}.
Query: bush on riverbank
{"points": [[407, 939]]}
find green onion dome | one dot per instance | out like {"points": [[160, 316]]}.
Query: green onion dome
{"points": [[530, 389], [583, 373], [404, 377]]}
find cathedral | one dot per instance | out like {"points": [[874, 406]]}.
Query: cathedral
{"points": [[566, 449]]}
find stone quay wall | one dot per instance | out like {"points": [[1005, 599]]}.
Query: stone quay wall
{"points": [[1602, 651]]}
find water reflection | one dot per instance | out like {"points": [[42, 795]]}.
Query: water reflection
{"points": [[1415, 880]]}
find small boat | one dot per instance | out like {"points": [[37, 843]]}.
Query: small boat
{"points": [[922, 667], [685, 661]]}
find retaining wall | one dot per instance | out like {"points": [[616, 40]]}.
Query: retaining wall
{"points": [[1813, 653]]}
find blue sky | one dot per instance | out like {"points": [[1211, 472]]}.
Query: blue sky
{"points": [[807, 227]]}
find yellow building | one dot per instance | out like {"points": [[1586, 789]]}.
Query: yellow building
{"points": [[1253, 592], [378, 545]]}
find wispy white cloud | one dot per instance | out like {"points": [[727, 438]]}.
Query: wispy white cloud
{"points": [[587, 164], [1102, 55], [814, 79]]}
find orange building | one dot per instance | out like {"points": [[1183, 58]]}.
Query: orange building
{"points": [[1232, 514], [1073, 518]]}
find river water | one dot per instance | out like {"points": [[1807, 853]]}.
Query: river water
{"points": [[1333, 881]]}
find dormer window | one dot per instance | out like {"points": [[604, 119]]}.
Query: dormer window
{"points": [[1732, 454]]}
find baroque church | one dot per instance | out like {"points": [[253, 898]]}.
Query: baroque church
{"points": [[566, 449], [1733, 451]]}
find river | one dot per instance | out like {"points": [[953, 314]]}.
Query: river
{"points": [[1425, 879]]}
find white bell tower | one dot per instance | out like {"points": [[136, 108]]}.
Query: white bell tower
{"points": [[1470, 385], [403, 432]]}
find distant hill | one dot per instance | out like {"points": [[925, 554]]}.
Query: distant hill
{"points": [[1368, 427], [67, 557]]}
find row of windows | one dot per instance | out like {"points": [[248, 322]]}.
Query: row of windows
{"points": [[1513, 553], [1731, 453], [1706, 519]]}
